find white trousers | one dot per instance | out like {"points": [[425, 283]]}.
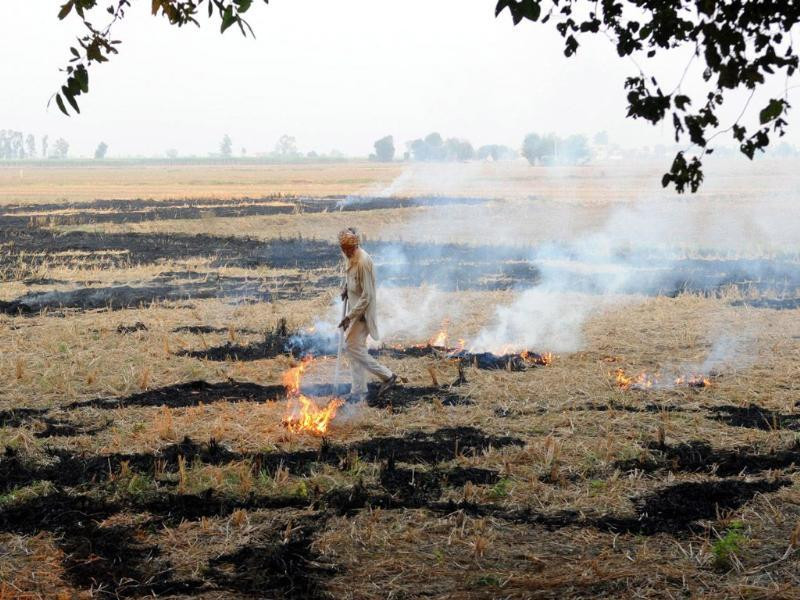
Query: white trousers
{"points": [[361, 362]]}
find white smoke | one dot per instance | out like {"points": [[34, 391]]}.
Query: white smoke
{"points": [[589, 257]]}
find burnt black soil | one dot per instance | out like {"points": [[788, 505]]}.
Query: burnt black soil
{"points": [[755, 417], [300, 344], [114, 557], [241, 352], [397, 398], [414, 487], [159, 289], [438, 446], [275, 343], [642, 408], [63, 428], [67, 468], [276, 566], [699, 456], [450, 266], [773, 303], [403, 396], [126, 249], [139, 210], [53, 426], [190, 394], [111, 559], [108, 559], [207, 329], [678, 507], [673, 509], [16, 417]]}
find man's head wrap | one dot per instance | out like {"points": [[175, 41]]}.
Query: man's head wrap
{"points": [[348, 238]]}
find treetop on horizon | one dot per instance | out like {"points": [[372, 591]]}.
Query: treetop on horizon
{"points": [[741, 43]]}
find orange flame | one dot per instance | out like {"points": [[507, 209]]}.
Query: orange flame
{"points": [[302, 413], [291, 379], [645, 381], [440, 339], [537, 359], [642, 381], [694, 381], [305, 416]]}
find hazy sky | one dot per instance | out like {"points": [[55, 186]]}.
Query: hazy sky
{"points": [[332, 74]]}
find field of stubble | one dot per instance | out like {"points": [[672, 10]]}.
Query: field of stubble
{"points": [[147, 315]]}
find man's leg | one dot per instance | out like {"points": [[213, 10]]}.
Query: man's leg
{"points": [[355, 339], [358, 390], [361, 362]]}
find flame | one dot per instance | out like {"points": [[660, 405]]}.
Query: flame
{"points": [[302, 413], [622, 380], [440, 339], [642, 381], [291, 379], [537, 359], [645, 381], [695, 381]]}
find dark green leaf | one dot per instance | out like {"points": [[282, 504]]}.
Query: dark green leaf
{"points": [[82, 76], [228, 19], [771, 111], [682, 101], [61, 106], [70, 98], [65, 9]]}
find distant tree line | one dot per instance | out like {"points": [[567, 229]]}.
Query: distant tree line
{"points": [[15, 145], [285, 150], [537, 149], [551, 149]]}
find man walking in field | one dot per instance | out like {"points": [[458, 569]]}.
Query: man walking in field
{"points": [[361, 318]]}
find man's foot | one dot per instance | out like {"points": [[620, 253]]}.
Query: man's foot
{"points": [[354, 398], [387, 385]]}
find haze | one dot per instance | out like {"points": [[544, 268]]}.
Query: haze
{"points": [[336, 75]]}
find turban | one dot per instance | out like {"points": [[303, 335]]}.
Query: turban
{"points": [[348, 238]]}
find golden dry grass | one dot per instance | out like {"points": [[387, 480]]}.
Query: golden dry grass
{"points": [[567, 462], [32, 184]]}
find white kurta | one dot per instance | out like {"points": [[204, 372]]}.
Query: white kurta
{"points": [[361, 292], [361, 298]]}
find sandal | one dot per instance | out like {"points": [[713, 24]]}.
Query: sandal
{"points": [[387, 385]]}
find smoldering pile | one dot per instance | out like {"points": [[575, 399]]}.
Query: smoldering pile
{"points": [[322, 341], [504, 360]]}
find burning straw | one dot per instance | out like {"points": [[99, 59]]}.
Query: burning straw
{"points": [[647, 381], [302, 413]]}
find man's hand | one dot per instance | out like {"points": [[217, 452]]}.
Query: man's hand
{"points": [[345, 323]]}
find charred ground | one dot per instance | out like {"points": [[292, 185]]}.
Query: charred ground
{"points": [[143, 452]]}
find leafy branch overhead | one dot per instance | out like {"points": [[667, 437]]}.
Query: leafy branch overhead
{"points": [[740, 42], [97, 45]]}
